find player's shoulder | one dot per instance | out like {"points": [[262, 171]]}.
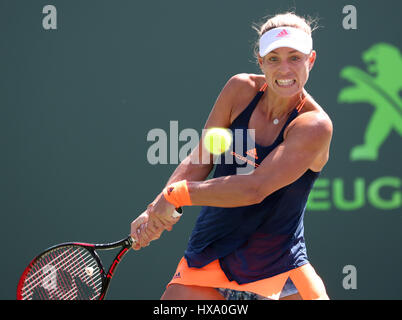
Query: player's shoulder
{"points": [[241, 89], [313, 120], [245, 82]]}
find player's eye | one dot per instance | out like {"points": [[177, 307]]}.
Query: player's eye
{"points": [[295, 58]]}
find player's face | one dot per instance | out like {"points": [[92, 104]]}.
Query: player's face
{"points": [[286, 70]]}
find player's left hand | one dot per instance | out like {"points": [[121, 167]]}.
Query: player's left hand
{"points": [[161, 211]]}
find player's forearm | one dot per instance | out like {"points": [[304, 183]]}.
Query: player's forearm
{"points": [[189, 171], [228, 191]]}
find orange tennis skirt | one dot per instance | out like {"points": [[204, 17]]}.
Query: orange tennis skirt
{"points": [[305, 279]]}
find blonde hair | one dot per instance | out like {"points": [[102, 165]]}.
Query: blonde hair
{"points": [[287, 19]]}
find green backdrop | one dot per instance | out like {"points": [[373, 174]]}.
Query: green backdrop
{"points": [[77, 103]]}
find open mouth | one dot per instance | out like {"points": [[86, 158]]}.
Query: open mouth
{"points": [[285, 83]]}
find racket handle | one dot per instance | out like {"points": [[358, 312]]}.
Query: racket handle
{"points": [[131, 240], [177, 212]]}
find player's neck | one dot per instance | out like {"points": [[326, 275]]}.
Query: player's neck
{"points": [[277, 107]]}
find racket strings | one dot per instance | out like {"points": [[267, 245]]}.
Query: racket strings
{"points": [[45, 275], [74, 272], [39, 274], [38, 278], [66, 273], [62, 276], [39, 266]]}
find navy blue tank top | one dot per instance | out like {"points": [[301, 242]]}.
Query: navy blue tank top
{"points": [[257, 241]]}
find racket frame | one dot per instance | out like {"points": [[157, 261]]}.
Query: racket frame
{"points": [[125, 245]]}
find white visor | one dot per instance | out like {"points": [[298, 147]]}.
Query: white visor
{"points": [[285, 37]]}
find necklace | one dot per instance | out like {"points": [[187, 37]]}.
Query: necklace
{"points": [[298, 108]]}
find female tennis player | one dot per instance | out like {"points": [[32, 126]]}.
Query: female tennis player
{"points": [[248, 241]]}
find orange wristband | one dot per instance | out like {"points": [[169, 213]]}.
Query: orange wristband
{"points": [[177, 194]]}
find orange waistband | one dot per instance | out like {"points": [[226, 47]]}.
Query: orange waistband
{"points": [[307, 282]]}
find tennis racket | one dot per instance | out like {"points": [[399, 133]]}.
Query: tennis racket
{"points": [[72, 271]]}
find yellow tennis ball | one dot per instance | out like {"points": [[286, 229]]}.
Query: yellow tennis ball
{"points": [[217, 140]]}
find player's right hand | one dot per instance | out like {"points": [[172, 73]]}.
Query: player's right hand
{"points": [[143, 231]]}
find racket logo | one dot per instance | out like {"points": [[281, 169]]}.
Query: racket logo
{"points": [[56, 280]]}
